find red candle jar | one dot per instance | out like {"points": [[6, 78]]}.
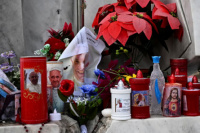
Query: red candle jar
{"points": [[140, 96], [191, 101], [33, 82], [180, 63], [172, 98], [195, 83]]}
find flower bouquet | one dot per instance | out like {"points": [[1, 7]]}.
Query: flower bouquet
{"points": [[57, 43], [86, 108], [137, 25]]}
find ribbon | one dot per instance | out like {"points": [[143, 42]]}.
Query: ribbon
{"points": [[157, 92]]}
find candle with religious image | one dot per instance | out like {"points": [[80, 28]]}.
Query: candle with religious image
{"points": [[54, 77], [171, 105], [140, 96], [33, 83]]}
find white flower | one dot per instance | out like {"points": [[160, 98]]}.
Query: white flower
{"points": [[37, 52], [57, 55], [66, 40], [78, 100], [85, 100]]}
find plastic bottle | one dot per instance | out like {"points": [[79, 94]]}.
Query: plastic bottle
{"points": [[157, 83]]}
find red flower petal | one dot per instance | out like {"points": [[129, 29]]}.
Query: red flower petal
{"points": [[108, 17], [129, 3], [148, 30], [104, 26], [179, 33], [173, 22], [125, 18], [66, 87], [131, 33], [96, 19], [145, 16], [69, 28], [119, 9], [108, 38], [127, 26], [123, 37], [164, 23], [161, 13], [142, 3], [171, 7], [139, 24], [65, 27], [161, 6], [114, 29]]}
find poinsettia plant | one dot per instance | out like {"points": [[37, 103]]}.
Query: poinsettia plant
{"points": [[134, 24], [57, 43]]}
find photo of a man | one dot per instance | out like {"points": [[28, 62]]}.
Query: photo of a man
{"points": [[33, 86], [55, 77]]}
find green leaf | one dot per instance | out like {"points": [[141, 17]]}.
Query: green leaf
{"points": [[81, 109], [62, 97], [91, 112]]}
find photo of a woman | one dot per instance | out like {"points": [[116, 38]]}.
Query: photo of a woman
{"points": [[172, 106]]}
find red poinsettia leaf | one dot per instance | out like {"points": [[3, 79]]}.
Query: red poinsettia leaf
{"points": [[179, 33], [173, 22], [171, 7], [108, 17], [123, 37], [131, 32], [148, 31], [129, 3], [96, 19], [142, 3], [99, 35], [104, 26], [114, 29], [164, 23], [127, 26], [119, 9], [125, 13], [160, 13], [161, 6], [145, 16], [108, 38], [139, 24], [125, 18], [155, 16], [108, 7]]}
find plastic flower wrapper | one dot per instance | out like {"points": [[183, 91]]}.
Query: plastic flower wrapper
{"points": [[57, 43], [11, 71], [137, 25]]}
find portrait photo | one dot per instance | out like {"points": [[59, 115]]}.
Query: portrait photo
{"points": [[32, 80]]}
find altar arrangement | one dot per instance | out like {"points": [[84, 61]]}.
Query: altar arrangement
{"points": [[63, 79]]}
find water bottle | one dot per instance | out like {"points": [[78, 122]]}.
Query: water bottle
{"points": [[157, 83]]}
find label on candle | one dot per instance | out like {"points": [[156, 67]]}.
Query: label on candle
{"points": [[185, 108], [140, 98], [122, 105]]}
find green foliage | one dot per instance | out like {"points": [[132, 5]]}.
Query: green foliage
{"points": [[62, 97]]}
